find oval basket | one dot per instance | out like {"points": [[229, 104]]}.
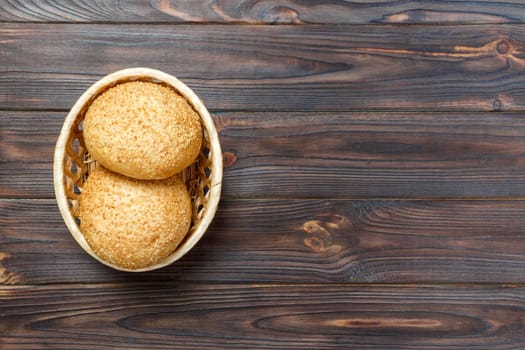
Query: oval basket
{"points": [[72, 164]]}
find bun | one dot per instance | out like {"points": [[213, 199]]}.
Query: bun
{"points": [[143, 130], [133, 223]]}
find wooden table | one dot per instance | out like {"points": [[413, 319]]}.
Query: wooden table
{"points": [[374, 189]]}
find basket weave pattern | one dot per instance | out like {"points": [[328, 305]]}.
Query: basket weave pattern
{"points": [[73, 164]]}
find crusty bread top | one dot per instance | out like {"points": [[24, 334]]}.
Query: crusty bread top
{"points": [[133, 223], [143, 130]]}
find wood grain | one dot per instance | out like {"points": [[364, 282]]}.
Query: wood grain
{"points": [[299, 241], [328, 155], [376, 203], [415, 155], [130, 316], [265, 12], [275, 68]]}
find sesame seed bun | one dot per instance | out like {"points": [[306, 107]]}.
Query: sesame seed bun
{"points": [[143, 130], [133, 223]]}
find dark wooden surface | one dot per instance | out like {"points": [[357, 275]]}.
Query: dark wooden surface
{"points": [[374, 189], [265, 11], [188, 316], [319, 154], [297, 241], [275, 68]]}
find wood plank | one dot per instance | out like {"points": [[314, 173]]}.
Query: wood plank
{"points": [[373, 154], [267, 11], [275, 68], [294, 241], [130, 316], [300, 155]]}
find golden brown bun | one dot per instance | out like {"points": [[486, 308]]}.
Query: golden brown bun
{"points": [[143, 130], [133, 223]]}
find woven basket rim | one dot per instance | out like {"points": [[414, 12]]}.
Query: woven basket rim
{"points": [[215, 154]]}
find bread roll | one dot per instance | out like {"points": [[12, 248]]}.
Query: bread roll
{"points": [[133, 223], [143, 130]]}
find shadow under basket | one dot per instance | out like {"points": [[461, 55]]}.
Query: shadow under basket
{"points": [[72, 164]]}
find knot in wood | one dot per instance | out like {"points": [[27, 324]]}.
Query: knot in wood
{"points": [[283, 15], [319, 239], [6, 277], [503, 47], [228, 158], [497, 105]]}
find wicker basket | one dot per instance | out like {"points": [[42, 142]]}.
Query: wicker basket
{"points": [[72, 164]]}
